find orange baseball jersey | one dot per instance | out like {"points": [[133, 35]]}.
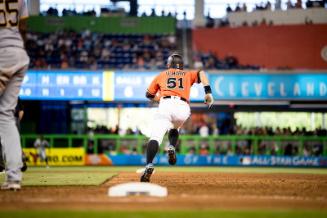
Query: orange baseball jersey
{"points": [[174, 82]]}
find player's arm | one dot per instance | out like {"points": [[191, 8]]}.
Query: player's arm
{"points": [[20, 115], [20, 108], [22, 25], [208, 99], [23, 28], [152, 97], [151, 92]]}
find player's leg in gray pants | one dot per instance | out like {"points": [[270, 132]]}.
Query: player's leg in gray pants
{"points": [[13, 65]]}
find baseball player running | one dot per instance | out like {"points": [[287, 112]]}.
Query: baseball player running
{"points": [[41, 145], [13, 65], [174, 86]]}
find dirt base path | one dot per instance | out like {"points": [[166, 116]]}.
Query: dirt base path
{"points": [[186, 191]]}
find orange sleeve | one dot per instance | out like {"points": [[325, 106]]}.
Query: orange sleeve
{"points": [[195, 78], [154, 86]]}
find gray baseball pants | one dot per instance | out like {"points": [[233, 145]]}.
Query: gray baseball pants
{"points": [[13, 66]]}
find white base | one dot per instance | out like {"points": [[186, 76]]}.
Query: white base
{"points": [[137, 189]]}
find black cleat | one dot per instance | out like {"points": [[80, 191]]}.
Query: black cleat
{"points": [[147, 173], [24, 168], [24, 160], [172, 159]]}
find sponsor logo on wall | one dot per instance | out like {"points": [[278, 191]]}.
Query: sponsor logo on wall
{"points": [[222, 160], [56, 157]]}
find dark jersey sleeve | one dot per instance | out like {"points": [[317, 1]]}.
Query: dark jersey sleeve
{"points": [[19, 107]]}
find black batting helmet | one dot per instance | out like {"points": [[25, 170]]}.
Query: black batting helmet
{"points": [[175, 61]]}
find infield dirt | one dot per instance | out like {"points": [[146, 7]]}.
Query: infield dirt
{"points": [[186, 191]]}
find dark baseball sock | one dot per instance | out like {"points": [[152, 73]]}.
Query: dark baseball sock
{"points": [[151, 151], [2, 160], [173, 137]]}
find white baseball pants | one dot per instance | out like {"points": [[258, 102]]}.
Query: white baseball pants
{"points": [[172, 113]]}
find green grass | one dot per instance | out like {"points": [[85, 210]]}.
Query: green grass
{"points": [[163, 214], [63, 176]]}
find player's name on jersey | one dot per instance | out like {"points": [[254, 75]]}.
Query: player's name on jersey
{"points": [[175, 73]]}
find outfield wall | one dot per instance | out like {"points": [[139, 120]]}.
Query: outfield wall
{"points": [[108, 25], [76, 150], [222, 160], [57, 156]]}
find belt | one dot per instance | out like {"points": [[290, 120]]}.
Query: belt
{"points": [[175, 97]]}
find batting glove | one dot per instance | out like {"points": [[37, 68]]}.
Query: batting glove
{"points": [[208, 99]]}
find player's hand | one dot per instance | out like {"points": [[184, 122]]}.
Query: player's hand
{"points": [[156, 98], [208, 99]]}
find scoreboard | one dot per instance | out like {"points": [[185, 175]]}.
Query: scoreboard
{"points": [[91, 85], [63, 85]]}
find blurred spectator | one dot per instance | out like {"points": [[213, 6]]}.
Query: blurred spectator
{"points": [[224, 147], [197, 62], [90, 147], [298, 4], [68, 49], [289, 150], [231, 61], [191, 150], [289, 4], [229, 9], [278, 5], [238, 8], [211, 61], [204, 130], [124, 149], [52, 12], [260, 7], [204, 149], [210, 22], [244, 8], [223, 22], [66, 12], [184, 15], [153, 12]]}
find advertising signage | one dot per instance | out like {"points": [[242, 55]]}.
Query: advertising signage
{"points": [[130, 86], [269, 86]]}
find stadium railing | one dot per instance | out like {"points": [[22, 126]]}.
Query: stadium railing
{"points": [[220, 144]]}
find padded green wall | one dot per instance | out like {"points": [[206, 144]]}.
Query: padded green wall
{"points": [[116, 25]]}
